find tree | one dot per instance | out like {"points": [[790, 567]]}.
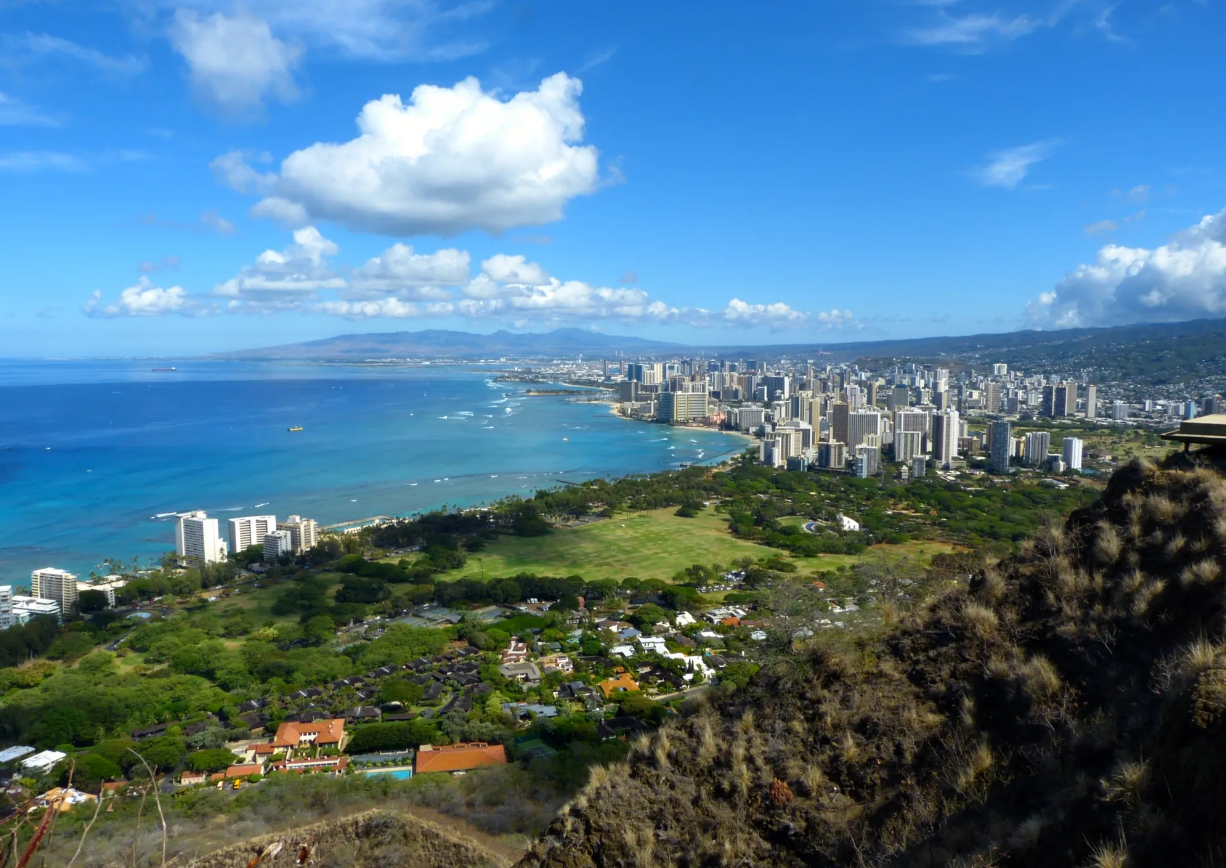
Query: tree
{"points": [[89, 602], [319, 629], [645, 616], [91, 770], [210, 760], [163, 753], [399, 690]]}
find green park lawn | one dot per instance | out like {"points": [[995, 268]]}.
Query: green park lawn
{"points": [[646, 545]]}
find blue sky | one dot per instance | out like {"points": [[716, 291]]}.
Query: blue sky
{"points": [[182, 176]]}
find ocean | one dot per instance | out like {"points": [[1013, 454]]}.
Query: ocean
{"points": [[96, 457]]}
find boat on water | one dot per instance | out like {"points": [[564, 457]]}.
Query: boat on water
{"points": [[295, 428]]}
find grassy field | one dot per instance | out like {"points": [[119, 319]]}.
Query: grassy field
{"points": [[646, 545], [258, 601]]}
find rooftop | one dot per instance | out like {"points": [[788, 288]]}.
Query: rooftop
{"points": [[1207, 430], [459, 757]]}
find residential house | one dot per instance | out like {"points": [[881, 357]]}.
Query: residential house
{"points": [[362, 714], [244, 770], [457, 759], [622, 651], [191, 779], [621, 684], [557, 663], [525, 710], [516, 652], [652, 645], [684, 619], [629, 633], [158, 729], [292, 736], [526, 672], [64, 799]]}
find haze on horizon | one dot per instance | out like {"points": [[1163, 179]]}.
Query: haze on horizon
{"points": [[191, 176]]}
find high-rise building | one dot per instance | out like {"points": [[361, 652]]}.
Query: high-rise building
{"points": [[52, 584], [860, 425], [1048, 405], [1002, 441], [772, 453], [1066, 400], [899, 398], [6, 606], [1119, 411], [1038, 444], [1072, 452], [1091, 402], [907, 445], [919, 466], [1189, 410], [872, 394], [681, 407], [197, 539], [839, 413], [867, 461], [945, 429], [831, 454], [304, 533], [249, 531], [750, 418], [1000, 370], [992, 397], [278, 543], [777, 386]]}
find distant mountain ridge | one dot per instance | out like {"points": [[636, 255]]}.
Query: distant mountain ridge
{"points": [[444, 343], [1141, 353]]}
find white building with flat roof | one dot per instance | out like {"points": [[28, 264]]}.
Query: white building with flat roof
{"points": [[25, 608], [197, 539], [43, 762], [50, 583], [278, 543], [1072, 452], [304, 532], [6, 606], [249, 530], [107, 585]]}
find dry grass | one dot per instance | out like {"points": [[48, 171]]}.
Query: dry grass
{"points": [[1107, 543], [1203, 572], [980, 620], [1040, 679], [1127, 781], [1110, 854]]}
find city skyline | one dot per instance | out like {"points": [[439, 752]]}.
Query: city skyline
{"points": [[862, 176]]}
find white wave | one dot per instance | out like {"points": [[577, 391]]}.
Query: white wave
{"points": [[469, 413], [493, 476], [412, 483], [442, 417], [488, 427], [258, 505]]}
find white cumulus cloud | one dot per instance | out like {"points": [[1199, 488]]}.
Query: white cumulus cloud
{"points": [[278, 279], [775, 315], [144, 299], [1182, 279], [1009, 167], [235, 62], [449, 160]]}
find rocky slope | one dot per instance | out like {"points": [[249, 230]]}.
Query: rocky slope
{"points": [[1066, 708]]}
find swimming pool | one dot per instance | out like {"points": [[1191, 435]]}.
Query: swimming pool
{"points": [[398, 774]]}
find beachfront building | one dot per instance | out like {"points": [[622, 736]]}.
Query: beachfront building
{"points": [[107, 585], [250, 530], [6, 606], [25, 608], [304, 533], [50, 583], [681, 407], [197, 539], [278, 543]]}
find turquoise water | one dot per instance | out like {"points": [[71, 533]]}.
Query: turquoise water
{"points": [[398, 774], [96, 457]]}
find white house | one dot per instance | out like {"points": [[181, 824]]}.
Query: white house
{"points": [[846, 524], [684, 619], [622, 651], [652, 644]]}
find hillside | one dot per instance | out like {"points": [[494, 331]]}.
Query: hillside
{"points": [[1064, 708], [374, 838]]}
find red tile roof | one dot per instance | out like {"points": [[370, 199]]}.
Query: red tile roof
{"points": [[328, 732], [242, 771], [460, 757]]}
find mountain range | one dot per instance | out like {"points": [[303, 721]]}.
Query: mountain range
{"points": [[1141, 353]]}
